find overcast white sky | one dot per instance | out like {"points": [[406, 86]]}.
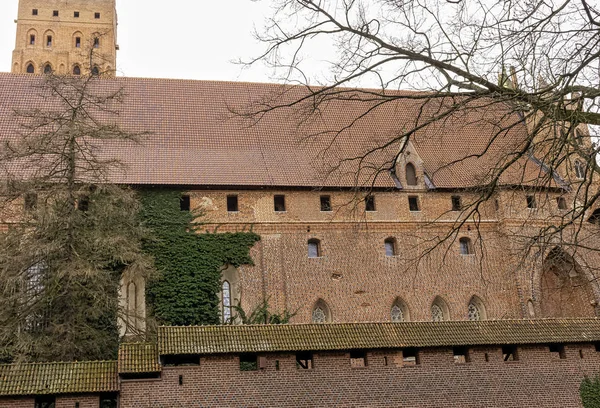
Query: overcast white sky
{"points": [[195, 39]]}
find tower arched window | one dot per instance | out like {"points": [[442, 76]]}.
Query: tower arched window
{"points": [[321, 312], [76, 70], [439, 310], [579, 169], [390, 246], [399, 311], [30, 68], [476, 309], [466, 246], [48, 69], [95, 70], [314, 248], [411, 174], [226, 301]]}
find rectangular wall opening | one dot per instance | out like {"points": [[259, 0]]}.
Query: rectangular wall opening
{"points": [[232, 203], [279, 203], [461, 355], [413, 203], [456, 203], [108, 400], [181, 360], [509, 353], [45, 402], [370, 203], [248, 362], [531, 203], [358, 359], [325, 203], [304, 360], [410, 356], [184, 203], [558, 349]]}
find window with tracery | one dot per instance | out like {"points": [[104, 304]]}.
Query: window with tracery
{"points": [[437, 313], [473, 312], [318, 315], [397, 314], [226, 300]]}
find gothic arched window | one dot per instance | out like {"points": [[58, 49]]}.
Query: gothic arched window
{"points": [[411, 174], [476, 309], [314, 248], [399, 311], [439, 310], [76, 70], [95, 70], [321, 313], [466, 247], [47, 69], [30, 68], [579, 169], [226, 300]]}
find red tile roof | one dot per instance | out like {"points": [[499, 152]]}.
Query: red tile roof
{"points": [[195, 140]]}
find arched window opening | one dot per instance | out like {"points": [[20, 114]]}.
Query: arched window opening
{"points": [[132, 302], [579, 169], [314, 248], [439, 310], [411, 174], [399, 311], [466, 246], [226, 301], [47, 69], [76, 70], [476, 309], [595, 217], [530, 308], [30, 68], [390, 247], [321, 313], [95, 70]]}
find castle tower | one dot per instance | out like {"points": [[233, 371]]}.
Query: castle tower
{"points": [[66, 36]]}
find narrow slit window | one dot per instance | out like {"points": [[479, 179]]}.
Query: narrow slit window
{"points": [[561, 202], [531, 203], [411, 175], [509, 353], [77, 42], [226, 301], [232, 203], [49, 41], [461, 355], [325, 203], [358, 359], [410, 357], [304, 361], [413, 203], [76, 14], [559, 350], [456, 203], [184, 203], [579, 170], [32, 39], [370, 203], [55, 13], [279, 203]]}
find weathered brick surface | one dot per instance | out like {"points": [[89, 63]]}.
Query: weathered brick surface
{"points": [[538, 378]]}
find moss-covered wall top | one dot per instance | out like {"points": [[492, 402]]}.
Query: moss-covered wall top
{"points": [[189, 263]]}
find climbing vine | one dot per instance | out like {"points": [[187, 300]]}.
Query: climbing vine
{"points": [[590, 392], [189, 263]]}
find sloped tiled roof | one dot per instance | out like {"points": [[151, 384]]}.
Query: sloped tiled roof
{"points": [[195, 139], [58, 378], [345, 336], [138, 358]]}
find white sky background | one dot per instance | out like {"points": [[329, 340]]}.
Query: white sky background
{"points": [[194, 40]]}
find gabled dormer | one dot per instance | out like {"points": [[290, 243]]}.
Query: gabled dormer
{"points": [[410, 171]]}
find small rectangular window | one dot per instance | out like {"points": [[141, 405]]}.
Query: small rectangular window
{"points": [[279, 203], [184, 203], [559, 350], [304, 360], [410, 357], [55, 13], [413, 203], [232, 203], [358, 359], [96, 15], [181, 360], [96, 42], [248, 362], [325, 203], [370, 203], [531, 202], [461, 355], [45, 402], [456, 203], [76, 14], [108, 400], [32, 39], [509, 353], [34, 12], [77, 42], [562, 203]]}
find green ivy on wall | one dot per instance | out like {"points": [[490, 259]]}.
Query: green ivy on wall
{"points": [[189, 264], [590, 392]]}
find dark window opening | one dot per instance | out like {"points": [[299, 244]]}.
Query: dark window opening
{"points": [[579, 170], [30, 69], [559, 349], [96, 15], [83, 204], [184, 203], [108, 400], [232, 203], [314, 248], [410, 356], [486, 357], [76, 14], [55, 13], [580, 353], [358, 359], [595, 217], [597, 347], [509, 353], [561, 203], [411, 175], [34, 12], [461, 355], [370, 203], [77, 42], [47, 69], [390, 246], [49, 41], [248, 362], [181, 360], [76, 70], [95, 70], [413, 203], [456, 203], [279, 202], [325, 203], [466, 247], [181, 380], [45, 402], [32, 39], [497, 204], [531, 203], [304, 360], [96, 42], [30, 201]]}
